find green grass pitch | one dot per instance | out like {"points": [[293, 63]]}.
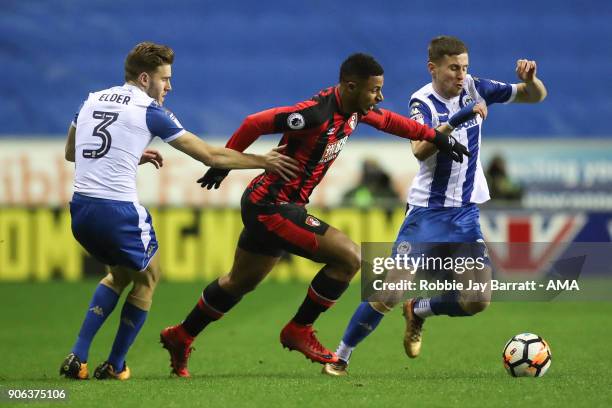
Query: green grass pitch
{"points": [[239, 360]]}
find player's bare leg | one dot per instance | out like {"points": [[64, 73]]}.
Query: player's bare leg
{"points": [[476, 301], [342, 260], [248, 270]]}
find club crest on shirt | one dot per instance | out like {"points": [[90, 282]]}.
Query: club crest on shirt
{"points": [[466, 100], [296, 121], [415, 113], [352, 122], [312, 221], [404, 248]]}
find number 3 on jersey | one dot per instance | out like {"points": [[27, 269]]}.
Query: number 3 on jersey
{"points": [[107, 118]]}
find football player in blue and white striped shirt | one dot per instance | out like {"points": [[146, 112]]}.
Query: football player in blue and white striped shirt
{"points": [[444, 195]]}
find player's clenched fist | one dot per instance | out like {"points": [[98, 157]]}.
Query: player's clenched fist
{"points": [[526, 70]]}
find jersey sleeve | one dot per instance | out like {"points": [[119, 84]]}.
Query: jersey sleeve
{"points": [[495, 91], [395, 124], [420, 112], [162, 123], [297, 118]]}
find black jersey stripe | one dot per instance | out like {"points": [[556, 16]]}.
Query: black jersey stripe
{"points": [[274, 187], [317, 153]]}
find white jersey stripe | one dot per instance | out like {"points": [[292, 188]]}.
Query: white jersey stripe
{"points": [[145, 227]]}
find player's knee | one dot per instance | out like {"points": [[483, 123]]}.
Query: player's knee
{"points": [[352, 259], [237, 287], [141, 296], [475, 307], [150, 277], [116, 283], [243, 287], [382, 307], [145, 283], [481, 305]]}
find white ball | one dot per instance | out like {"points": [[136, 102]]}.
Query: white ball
{"points": [[527, 355]]}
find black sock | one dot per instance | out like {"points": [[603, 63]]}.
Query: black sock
{"points": [[213, 304], [322, 294]]}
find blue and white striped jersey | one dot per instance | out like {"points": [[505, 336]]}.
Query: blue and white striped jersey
{"points": [[441, 182], [113, 128]]}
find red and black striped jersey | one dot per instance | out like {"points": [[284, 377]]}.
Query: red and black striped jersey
{"points": [[315, 131]]}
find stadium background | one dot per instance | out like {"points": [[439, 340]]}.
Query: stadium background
{"points": [[238, 57]]}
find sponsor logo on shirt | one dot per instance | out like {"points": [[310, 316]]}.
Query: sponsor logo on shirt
{"points": [[333, 149], [467, 124]]}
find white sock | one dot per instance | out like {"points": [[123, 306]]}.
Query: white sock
{"points": [[344, 352], [422, 308]]}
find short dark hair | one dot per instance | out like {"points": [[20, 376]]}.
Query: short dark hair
{"points": [[146, 57], [445, 45], [361, 66]]}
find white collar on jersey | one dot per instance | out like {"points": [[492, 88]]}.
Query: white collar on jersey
{"points": [[443, 99], [135, 89]]}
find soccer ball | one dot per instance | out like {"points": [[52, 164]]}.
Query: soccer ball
{"points": [[527, 355]]}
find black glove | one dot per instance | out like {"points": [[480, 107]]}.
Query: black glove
{"points": [[213, 178], [450, 146]]}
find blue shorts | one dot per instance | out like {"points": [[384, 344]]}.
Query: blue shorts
{"points": [[430, 230], [114, 232]]}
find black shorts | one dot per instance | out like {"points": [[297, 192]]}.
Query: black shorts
{"points": [[270, 229]]}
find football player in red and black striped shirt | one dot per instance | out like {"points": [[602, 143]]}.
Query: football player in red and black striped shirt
{"points": [[273, 209]]}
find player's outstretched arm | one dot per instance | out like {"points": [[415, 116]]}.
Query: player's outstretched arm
{"points": [[396, 124], [422, 150], [531, 90], [278, 163], [300, 117], [69, 150], [224, 158]]}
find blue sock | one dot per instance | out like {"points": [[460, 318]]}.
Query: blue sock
{"points": [[447, 304], [132, 320], [102, 305], [364, 321]]}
